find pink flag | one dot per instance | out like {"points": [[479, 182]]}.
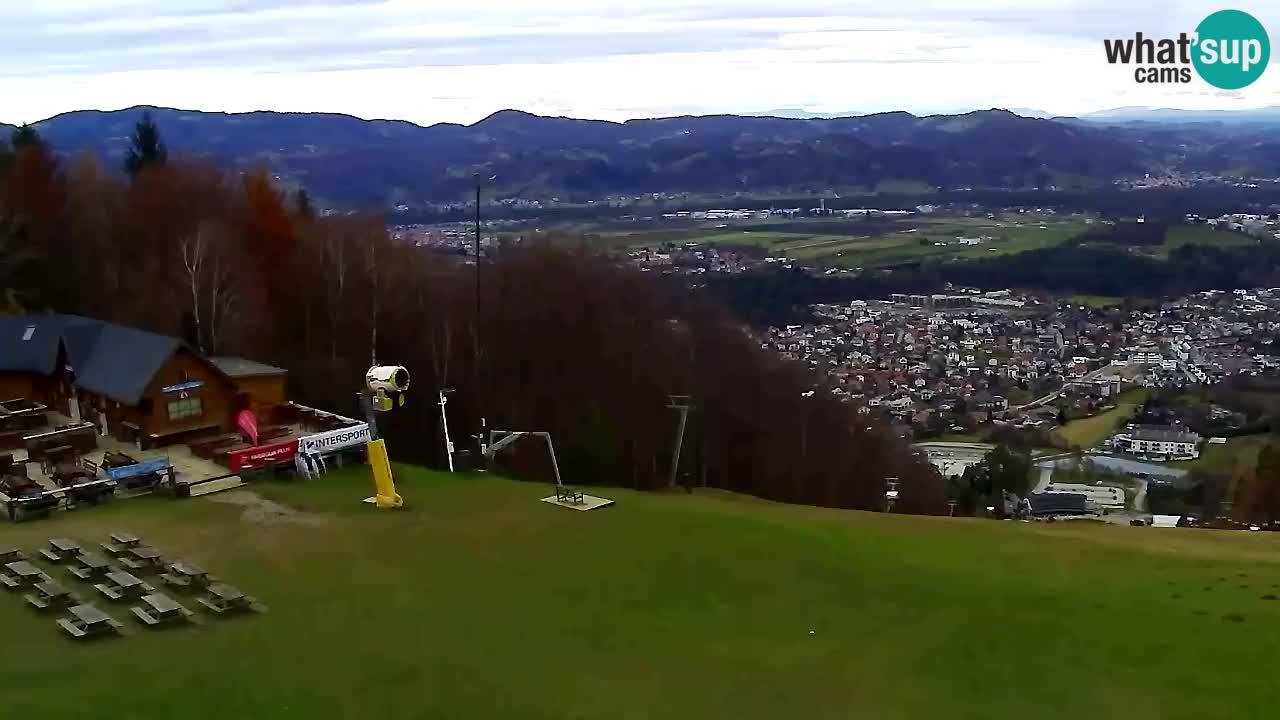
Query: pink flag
{"points": [[248, 424]]}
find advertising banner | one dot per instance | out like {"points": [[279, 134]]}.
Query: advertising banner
{"points": [[334, 440], [263, 456]]}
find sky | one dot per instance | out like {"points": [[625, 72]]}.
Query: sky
{"points": [[431, 61]]}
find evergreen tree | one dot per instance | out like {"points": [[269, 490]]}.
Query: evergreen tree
{"points": [[1004, 469], [145, 147], [303, 202], [25, 136]]}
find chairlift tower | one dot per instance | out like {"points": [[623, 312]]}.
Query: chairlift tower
{"points": [[890, 493]]}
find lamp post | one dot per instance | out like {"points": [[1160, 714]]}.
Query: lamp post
{"points": [[480, 182]]}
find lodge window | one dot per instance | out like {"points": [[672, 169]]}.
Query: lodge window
{"points": [[185, 408]]}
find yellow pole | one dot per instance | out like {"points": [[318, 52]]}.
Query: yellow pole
{"points": [[385, 486]]}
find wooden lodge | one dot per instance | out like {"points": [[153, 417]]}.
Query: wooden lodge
{"points": [[131, 384]]}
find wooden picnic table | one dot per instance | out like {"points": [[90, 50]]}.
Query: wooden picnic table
{"points": [[186, 569], [21, 574], [145, 552], [89, 615], [88, 620], [121, 542], [61, 549], [143, 558], [160, 608], [10, 553], [52, 589], [220, 598], [50, 595], [121, 585], [183, 574], [124, 580], [65, 546], [24, 569], [88, 565]]}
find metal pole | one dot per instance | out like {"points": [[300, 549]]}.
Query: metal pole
{"points": [[478, 380], [680, 403], [554, 465], [444, 422]]}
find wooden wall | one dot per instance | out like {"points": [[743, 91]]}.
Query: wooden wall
{"points": [[18, 385], [151, 415], [263, 392]]}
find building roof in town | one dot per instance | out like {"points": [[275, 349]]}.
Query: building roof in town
{"points": [[1164, 434]]}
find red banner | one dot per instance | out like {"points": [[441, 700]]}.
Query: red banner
{"points": [[263, 455], [248, 424]]}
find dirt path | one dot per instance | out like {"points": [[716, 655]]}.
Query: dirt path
{"points": [[261, 511]]}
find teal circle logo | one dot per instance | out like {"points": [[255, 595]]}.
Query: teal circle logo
{"points": [[1232, 49]]}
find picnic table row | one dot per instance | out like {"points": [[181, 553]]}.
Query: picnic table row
{"points": [[156, 608]]}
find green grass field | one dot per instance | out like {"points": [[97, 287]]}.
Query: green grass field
{"points": [[1225, 457], [477, 601], [1005, 238], [1088, 432], [866, 245], [1180, 235]]}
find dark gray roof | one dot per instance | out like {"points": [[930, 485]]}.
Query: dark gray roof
{"points": [[1058, 504], [1163, 434], [122, 362], [36, 354], [240, 367], [111, 360]]}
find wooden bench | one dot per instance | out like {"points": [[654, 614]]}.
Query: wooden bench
{"points": [[567, 494]]}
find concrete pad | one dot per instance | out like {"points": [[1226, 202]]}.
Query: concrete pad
{"points": [[589, 502]]}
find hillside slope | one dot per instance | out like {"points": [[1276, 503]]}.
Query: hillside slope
{"points": [[479, 601], [352, 161]]}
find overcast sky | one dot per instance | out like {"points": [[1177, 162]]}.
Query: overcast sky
{"points": [[449, 60]]}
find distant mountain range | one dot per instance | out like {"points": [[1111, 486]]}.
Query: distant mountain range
{"points": [[1268, 115], [348, 161]]}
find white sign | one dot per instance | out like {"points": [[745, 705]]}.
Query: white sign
{"points": [[333, 440]]}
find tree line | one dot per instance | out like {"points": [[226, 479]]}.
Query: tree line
{"points": [[558, 339]]}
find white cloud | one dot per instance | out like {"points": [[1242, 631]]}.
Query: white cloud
{"points": [[430, 61]]}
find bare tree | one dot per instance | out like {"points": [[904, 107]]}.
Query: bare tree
{"points": [[209, 267]]}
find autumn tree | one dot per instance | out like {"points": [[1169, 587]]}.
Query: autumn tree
{"points": [[145, 147]]}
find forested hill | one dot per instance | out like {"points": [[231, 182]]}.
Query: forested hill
{"points": [[349, 161]]}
